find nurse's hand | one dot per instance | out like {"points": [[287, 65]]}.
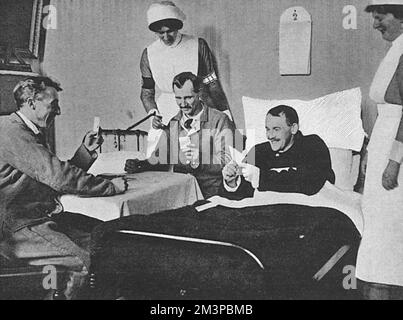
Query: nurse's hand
{"points": [[390, 175], [157, 122]]}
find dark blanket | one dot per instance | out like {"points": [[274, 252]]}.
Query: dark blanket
{"points": [[293, 242]]}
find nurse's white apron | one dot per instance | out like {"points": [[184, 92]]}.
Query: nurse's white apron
{"points": [[165, 63], [380, 256]]}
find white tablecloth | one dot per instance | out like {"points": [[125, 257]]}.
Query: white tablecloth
{"points": [[149, 192]]}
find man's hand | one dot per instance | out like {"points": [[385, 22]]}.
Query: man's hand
{"points": [[191, 152], [134, 166], [251, 174], [121, 184], [92, 141], [230, 174], [390, 175], [157, 122]]}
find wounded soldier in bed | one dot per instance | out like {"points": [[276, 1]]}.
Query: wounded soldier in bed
{"points": [[195, 141], [288, 162]]}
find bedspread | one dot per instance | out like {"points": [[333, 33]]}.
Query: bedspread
{"points": [[348, 203]]}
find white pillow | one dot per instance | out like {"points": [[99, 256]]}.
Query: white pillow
{"points": [[336, 118], [342, 165]]}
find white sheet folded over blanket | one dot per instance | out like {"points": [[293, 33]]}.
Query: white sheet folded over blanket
{"points": [[349, 203]]}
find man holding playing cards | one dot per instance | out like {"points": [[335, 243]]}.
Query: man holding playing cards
{"points": [[288, 162], [33, 225], [196, 140]]}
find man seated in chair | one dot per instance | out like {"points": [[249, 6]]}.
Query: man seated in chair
{"points": [[288, 162], [195, 141], [33, 226]]}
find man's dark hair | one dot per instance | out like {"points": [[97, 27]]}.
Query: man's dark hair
{"points": [[181, 78], [31, 87], [396, 10], [172, 24], [290, 114]]}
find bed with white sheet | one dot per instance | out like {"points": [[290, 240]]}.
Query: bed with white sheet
{"points": [[306, 244], [336, 118]]}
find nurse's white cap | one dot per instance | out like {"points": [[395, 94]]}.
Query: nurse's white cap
{"points": [[374, 3], [385, 2], [164, 10]]}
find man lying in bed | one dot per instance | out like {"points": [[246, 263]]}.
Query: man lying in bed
{"points": [[288, 162], [292, 242]]}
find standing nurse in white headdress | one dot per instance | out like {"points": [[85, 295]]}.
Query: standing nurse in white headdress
{"points": [[380, 256], [171, 54]]}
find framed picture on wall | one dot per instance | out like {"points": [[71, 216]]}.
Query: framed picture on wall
{"points": [[22, 35]]}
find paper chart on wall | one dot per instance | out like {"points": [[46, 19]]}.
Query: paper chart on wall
{"points": [[295, 42]]}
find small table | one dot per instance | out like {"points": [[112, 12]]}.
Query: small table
{"points": [[149, 192]]}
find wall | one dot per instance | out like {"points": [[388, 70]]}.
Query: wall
{"points": [[96, 48]]}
